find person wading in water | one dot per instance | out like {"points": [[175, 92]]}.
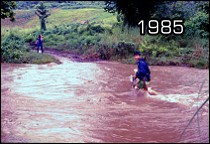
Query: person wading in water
{"points": [[142, 73]]}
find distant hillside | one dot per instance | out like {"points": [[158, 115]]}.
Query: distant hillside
{"points": [[25, 5], [22, 17], [28, 19], [61, 12]]}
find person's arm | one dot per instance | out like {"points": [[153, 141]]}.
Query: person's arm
{"points": [[147, 68], [135, 71], [141, 70]]}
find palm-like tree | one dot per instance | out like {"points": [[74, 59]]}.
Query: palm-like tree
{"points": [[42, 13]]}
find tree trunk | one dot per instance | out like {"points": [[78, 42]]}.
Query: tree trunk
{"points": [[43, 25]]}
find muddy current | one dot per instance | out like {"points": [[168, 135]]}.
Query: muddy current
{"points": [[94, 102]]}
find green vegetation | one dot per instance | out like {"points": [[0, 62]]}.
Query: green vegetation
{"points": [[191, 48], [89, 39], [61, 4], [100, 35], [78, 16], [7, 9], [14, 49], [36, 58], [133, 11]]}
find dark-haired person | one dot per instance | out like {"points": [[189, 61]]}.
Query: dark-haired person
{"points": [[40, 43], [143, 73]]}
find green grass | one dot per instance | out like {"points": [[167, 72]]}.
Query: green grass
{"points": [[61, 4], [28, 20], [69, 16], [37, 58], [118, 35]]}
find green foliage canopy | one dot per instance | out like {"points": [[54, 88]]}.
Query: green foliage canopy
{"points": [[133, 10], [7, 9]]}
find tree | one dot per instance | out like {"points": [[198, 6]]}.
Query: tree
{"points": [[42, 13], [133, 10], [194, 13], [7, 9]]}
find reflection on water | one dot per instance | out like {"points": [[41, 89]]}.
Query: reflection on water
{"points": [[94, 102]]}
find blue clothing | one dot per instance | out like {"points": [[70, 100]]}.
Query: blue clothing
{"points": [[143, 72], [39, 44]]}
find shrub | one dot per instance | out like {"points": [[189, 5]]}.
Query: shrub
{"points": [[119, 51], [12, 47], [105, 52], [201, 63]]}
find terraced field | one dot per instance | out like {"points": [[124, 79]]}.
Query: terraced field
{"points": [[28, 19]]}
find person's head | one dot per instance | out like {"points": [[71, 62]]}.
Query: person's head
{"points": [[137, 55], [40, 36]]}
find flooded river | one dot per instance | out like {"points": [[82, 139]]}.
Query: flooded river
{"points": [[94, 102]]}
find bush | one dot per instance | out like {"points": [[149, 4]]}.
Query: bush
{"points": [[123, 49], [201, 63], [156, 46], [119, 51], [12, 47], [75, 35], [105, 52]]}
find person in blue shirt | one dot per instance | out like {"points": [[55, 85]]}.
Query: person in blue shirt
{"points": [[40, 43], [143, 71]]}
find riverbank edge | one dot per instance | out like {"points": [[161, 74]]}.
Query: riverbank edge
{"points": [[94, 58], [51, 52]]}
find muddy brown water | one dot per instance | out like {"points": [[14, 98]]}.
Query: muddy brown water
{"points": [[94, 102]]}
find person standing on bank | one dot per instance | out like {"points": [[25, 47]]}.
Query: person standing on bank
{"points": [[40, 43]]}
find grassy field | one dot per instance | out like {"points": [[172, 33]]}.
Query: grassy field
{"points": [[28, 19]]}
